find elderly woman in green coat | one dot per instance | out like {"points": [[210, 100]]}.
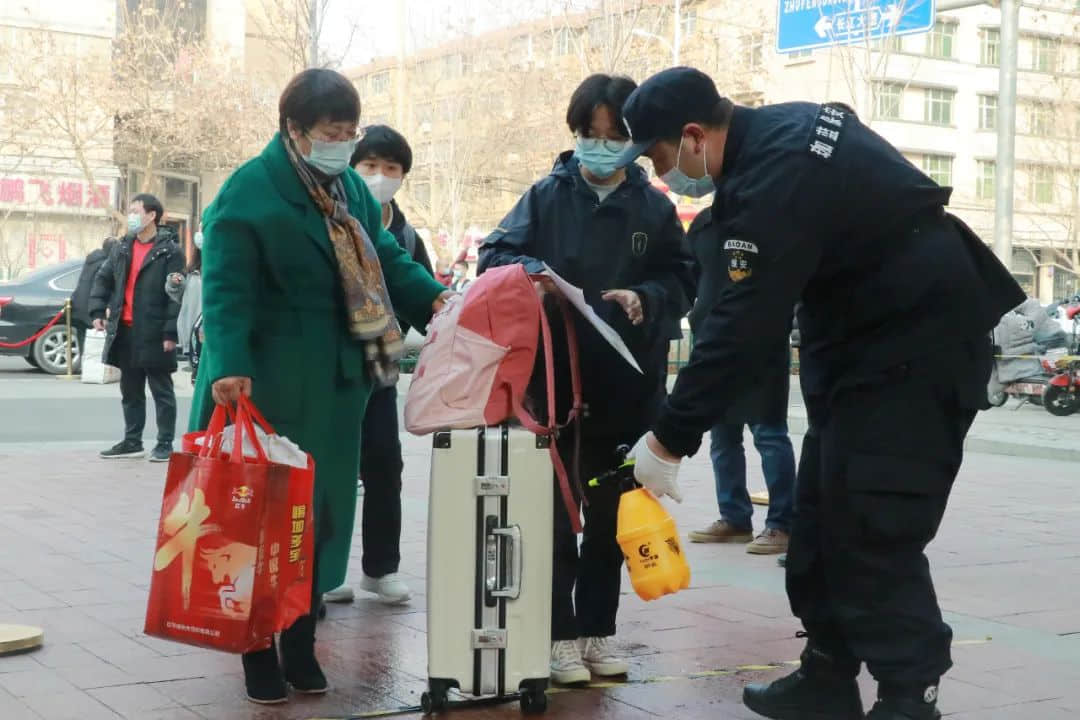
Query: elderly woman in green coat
{"points": [[301, 285]]}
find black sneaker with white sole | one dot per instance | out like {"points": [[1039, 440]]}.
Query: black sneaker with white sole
{"points": [[128, 449], [160, 453]]}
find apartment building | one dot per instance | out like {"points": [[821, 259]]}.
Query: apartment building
{"points": [[935, 96], [485, 113]]}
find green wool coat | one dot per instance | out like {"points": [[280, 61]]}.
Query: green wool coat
{"points": [[273, 311]]}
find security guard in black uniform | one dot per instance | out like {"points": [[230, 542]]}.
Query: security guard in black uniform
{"points": [[811, 205]]}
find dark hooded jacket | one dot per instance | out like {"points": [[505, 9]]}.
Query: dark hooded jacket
{"points": [[630, 241]]}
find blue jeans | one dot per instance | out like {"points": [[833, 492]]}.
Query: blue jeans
{"points": [[777, 464]]}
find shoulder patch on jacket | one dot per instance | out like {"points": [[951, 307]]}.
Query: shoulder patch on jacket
{"points": [[826, 131], [741, 256]]}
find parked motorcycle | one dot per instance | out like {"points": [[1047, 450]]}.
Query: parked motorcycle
{"points": [[1030, 389], [1061, 395]]}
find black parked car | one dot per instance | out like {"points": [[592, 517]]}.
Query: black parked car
{"points": [[28, 304]]}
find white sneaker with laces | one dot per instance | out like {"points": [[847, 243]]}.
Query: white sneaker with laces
{"points": [[391, 589], [343, 594], [602, 658], [566, 665]]}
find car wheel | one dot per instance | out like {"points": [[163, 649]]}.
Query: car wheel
{"points": [[50, 352]]}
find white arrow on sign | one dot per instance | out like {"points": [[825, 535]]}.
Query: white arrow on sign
{"points": [[823, 27], [891, 15]]}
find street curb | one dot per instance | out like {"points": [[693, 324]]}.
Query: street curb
{"points": [[797, 426]]}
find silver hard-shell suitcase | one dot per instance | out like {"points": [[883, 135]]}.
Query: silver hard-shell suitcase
{"points": [[489, 567]]}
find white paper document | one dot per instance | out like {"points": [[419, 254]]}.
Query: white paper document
{"points": [[577, 299]]}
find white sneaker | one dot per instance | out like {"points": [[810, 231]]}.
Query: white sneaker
{"points": [[601, 657], [343, 594], [566, 665], [391, 589]]}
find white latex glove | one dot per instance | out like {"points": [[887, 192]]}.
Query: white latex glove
{"points": [[654, 473]]}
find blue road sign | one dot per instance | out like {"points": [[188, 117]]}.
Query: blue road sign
{"points": [[808, 24]]}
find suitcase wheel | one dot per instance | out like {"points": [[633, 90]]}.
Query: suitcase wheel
{"points": [[432, 703], [533, 701]]}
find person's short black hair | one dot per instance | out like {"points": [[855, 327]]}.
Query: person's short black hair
{"points": [[315, 94], [386, 143], [151, 204], [595, 91]]}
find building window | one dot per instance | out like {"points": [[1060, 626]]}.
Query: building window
{"points": [[989, 46], [752, 49], [1041, 185], [597, 31], [379, 83], [889, 44], [1024, 269], [888, 100], [1041, 119], [800, 54], [421, 191], [940, 40], [988, 110], [1044, 54], [939, 168], [521, 49], [564, 41], [453, 66], [689, 22], [939, 106], [985, 172]]}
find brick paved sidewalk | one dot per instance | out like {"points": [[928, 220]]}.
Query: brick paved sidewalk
{"points": [[77, 538]]}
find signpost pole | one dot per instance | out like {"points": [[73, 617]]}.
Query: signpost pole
{"points": [[1004, 170]]}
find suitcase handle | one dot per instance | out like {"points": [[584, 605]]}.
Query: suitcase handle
{"points": [[513, 553]]}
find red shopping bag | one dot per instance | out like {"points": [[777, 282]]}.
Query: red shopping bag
{"points": [[235, 549]]}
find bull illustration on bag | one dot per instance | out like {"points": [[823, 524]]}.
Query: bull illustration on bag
{"points": [[232, 569]]}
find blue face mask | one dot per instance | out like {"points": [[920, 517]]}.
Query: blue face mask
{"points": [[331, 158], [682, 184], [599, 155]]}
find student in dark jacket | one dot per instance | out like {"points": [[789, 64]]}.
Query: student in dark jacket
{"points": [[80, 299], [610, 233], [763, 405], [383, 159], [141, 324]]}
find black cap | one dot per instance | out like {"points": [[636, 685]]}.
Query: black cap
{"points": [[662, 105]]}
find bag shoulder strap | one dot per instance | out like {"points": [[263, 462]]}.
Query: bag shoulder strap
{"points": [[551, 430]]}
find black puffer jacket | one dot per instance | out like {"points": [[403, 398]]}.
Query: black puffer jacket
{"points": [[80, 299], [155, 313]]}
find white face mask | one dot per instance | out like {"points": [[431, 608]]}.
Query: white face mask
{"points": [[682, 184], [198, 239], [382, 187]]}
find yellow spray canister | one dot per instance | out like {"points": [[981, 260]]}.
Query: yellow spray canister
{"points": [[648, 538]]}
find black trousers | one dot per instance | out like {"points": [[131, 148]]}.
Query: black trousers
{"points": [[133, 382], [380, 471], [877, 467], [585, 586]]}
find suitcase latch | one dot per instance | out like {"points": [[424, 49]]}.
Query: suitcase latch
{"points": [[488, 639], [492, 485]]}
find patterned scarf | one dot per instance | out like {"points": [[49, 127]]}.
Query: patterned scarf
{"points": [[369, 314]]}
